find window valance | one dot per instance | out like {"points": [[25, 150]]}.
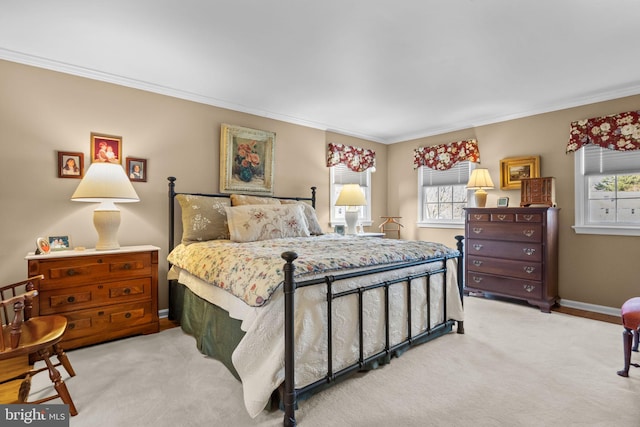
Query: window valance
{"points": [[445, 156], [355, 158], [620, 132]]}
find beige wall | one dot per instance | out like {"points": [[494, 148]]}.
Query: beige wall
{"points": [[599, 270], [42, 112]]}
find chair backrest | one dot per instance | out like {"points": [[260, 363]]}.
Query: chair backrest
{"points": [[15, 308]]}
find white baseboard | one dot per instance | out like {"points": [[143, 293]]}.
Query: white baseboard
{"points": [[611, 311], [163, 313]]}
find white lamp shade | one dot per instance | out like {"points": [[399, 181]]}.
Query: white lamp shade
{"points": [[480, 178], [351, 195], [105, 182]]}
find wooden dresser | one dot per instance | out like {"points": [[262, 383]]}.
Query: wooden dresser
{"points": [[513, 252], [104, 294]]}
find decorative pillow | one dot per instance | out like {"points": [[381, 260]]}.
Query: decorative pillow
{"points": [[310, 215], [203, 218], [249, 223], [241, 199]]}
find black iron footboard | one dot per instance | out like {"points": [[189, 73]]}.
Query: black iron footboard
{"points": [[290, 393]]}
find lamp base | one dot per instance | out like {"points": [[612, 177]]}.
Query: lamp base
{"points": [[481, 198], [107, 223], [351, 217]]}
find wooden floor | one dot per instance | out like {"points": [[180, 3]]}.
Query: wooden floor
{"points": [[165, 324]]}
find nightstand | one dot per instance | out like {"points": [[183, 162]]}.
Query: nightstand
{"points": [[104, 294], [369, 234]]}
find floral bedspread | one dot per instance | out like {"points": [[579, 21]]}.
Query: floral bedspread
{"points": [[253, 271]]}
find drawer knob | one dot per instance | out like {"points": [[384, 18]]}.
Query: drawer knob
{"points": [[502, 217], [529, 269], [477, 246], [71, 299], [528, 233], [71, 325], [477, 230], [477, 263], [477, 279], [128, 315], [71, 272], [529, 288], [127, 266], [528, 217], [127, 291], [529, 251]]}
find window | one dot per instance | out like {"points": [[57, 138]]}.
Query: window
{"points": [[607, 191], [443, 195], [340, 175]]}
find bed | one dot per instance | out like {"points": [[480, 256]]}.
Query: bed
{"points": [[291, 310]]}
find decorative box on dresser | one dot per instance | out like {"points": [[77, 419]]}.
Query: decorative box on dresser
{"points": [[513, 252], [104, 294]]}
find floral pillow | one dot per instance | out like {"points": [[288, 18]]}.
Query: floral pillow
{"points": [[203, 218], [242, 199], [310, 215], [249, 223]]}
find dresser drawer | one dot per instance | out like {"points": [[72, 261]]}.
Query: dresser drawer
{"points": [[64, 272], [505, 267], [518, 288], [97, 321], [515, 232], [531, 252], [81, 297]]}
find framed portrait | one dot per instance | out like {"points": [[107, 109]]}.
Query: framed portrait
{"points": [[137, 169], [503, 202], [513, 169], [42, 245], [59, 243], [246, 160], [70, 165], [106, 148]]}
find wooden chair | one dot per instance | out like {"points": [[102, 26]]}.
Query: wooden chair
{"points": [[22, 336], [631, 322]]}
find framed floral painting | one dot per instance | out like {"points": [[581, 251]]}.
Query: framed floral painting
{"points": [[246, 160]]}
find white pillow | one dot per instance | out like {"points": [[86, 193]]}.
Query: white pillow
{"points": [[248, 223]]}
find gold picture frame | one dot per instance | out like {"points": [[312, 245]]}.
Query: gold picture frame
{"points": [[513, 169], [246, 160], [106, 148]]}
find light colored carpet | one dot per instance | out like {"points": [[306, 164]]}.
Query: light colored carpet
{"points": [[515, 366]]}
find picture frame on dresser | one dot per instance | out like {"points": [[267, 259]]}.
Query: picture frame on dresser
{"points": [[514, 169], [503, 202]]}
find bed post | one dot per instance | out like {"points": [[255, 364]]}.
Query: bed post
{"points": [[172, 195], [289, 347], [313, 197], [460, 247]]}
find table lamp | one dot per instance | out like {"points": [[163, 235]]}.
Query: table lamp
{"points": [[106, 183], [478, 181], [352, 197]]}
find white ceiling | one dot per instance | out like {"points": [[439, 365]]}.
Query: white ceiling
{"points": [[384, 70]]}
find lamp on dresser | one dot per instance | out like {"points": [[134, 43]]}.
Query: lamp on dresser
{"points": [[106, 183], [479, 181], [352, 197]]}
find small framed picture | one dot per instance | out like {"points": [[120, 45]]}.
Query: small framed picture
{"points": [[339, 229], [106, 148], [503, 202], [59, 243], [43, 246], [137, 169], [70, 165]]}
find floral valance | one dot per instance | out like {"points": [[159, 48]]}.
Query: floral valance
{"points": [[619, 132], [445, 156], [357, 159]]}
